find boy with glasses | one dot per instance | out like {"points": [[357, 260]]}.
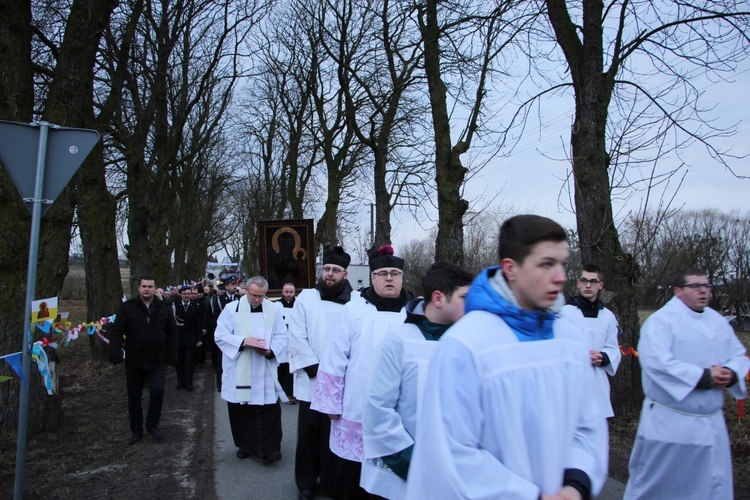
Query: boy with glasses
{"points": [[599, 326], [344, 369], [689, 355]]}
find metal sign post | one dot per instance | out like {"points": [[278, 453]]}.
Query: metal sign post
{"points": [[68, 149]]}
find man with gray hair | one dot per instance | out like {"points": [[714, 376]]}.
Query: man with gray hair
{"points": [[251, 334]]}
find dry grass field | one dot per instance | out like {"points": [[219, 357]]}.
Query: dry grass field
{"points": [[88, 458]]}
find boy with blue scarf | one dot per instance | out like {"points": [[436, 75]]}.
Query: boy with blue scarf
{"points": [[507, 408]]}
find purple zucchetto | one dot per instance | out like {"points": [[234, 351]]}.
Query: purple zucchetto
{"points": [[383, 257]]}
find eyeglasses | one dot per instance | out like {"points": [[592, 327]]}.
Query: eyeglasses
{"points": [[698, 286], [386, 274], [592, 282], [334, 270]]}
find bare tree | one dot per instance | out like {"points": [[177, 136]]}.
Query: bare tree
{"points": [[65, 98], [611, 51], [737, 277], [17, 104], [472, 35], [343, 154], [179, 85], [706, 239], [377, 52], [419, 255]]}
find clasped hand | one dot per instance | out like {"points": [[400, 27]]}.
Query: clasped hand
{"points": [[721, 376], [257, 344], [596, 357]]}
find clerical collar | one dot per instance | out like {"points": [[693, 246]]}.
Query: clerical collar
{"points": [[384, 304], [588, 309], [256, 309]]}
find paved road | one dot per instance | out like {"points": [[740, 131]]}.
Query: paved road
{"points": [[248, 479]]}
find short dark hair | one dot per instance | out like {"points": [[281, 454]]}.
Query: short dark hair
{"points": [[593, 268], [445, 277], [146, 277], [519, 234], [290, 284], [680, 279]]}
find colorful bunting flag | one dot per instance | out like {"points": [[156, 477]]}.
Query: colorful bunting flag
{"points": [[38, 355], [14, 360]]}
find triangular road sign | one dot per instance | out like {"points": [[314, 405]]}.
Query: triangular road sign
{"points": [[66, 149]]}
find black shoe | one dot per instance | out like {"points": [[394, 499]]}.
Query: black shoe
{"points": [[306, 495], [189, 388], [154, 431], [135, 437], [273, 457], [242, 455]]}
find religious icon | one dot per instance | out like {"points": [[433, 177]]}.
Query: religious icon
{"points": [[287, 253], [43, 310]]}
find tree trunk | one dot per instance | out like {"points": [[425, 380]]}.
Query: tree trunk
{"points": [[382, 200], [325, 232], [147, 224], [599, 241], [96, 219], [16, 104], [97, 207], [449, 172]]}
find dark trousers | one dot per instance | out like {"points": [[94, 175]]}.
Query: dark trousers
{"points": [[314, 458], [200, 352], [216, 360], [135, 378], [185, 364], [347, 481], [256, 429], [286, 379]]}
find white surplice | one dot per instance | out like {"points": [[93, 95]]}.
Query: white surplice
{"points": [[682, 446], [229, 338], [503, 418], [391, 413], [342, 375], [601, 334], [311, 323]]}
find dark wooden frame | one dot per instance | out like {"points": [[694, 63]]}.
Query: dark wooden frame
{"points": [[296, 236]]}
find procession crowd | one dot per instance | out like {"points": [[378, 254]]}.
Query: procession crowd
{"points": [[489, 386]]}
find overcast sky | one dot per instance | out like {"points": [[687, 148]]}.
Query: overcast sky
{"points": [[530, 180]]}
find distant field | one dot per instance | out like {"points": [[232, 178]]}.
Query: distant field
{"points": [[74, 287]]}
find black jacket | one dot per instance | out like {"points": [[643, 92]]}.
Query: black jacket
{"points": [[189, 322], [148, 337]]}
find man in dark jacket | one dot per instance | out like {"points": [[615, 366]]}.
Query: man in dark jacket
{"points": [[145, 335], [189, 319], [227, 292]]}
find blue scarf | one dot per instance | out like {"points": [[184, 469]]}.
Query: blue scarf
{"points": [[527, 325]]}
